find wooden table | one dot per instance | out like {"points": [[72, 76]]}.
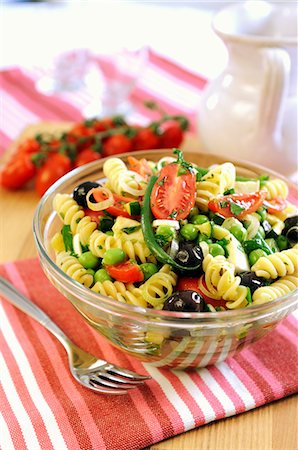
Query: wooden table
{"points": [[271, 427]]}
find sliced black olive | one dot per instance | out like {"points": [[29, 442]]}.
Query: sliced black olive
{"points": [[190, 255], [289, 223], [80, 192], [292, 234], [185, 301], [250, 280]]}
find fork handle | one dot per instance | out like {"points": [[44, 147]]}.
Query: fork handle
{"points": [[28, 307]]}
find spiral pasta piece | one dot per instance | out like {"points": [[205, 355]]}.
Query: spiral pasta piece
{"points": [[124, 293], [277, 289], [85, 228], [71, 266], [100, 242], [215, 182], [277, 265], [121, 180], [221, 282], [276, 188], [253, 224], [68, 210], [159, 286]]}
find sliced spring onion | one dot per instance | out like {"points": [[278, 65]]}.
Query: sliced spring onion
{"points": [[104, 204], [171, 223], [174, 247]]}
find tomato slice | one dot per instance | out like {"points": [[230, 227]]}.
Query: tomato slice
{"points": [[192, 284], [126, 272], [275, 205], [237, 205], [173, 194], [117, 209]]}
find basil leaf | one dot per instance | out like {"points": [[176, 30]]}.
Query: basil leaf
{"points": [[67, 238], [235, 208], [130, 230]]}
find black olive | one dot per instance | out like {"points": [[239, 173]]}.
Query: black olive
{"points": [[185, 301], [289, 223], [292, 234], [190, 255], [80, 192], [250, 280]]}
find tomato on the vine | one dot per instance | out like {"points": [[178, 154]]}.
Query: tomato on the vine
{"points": [[237, 205], [118, 143], [173, 194], [145, 139], [29, 146], [275, 205], [172, 136], [127, 272], [18, 171], [54, 167], [85, 156]]}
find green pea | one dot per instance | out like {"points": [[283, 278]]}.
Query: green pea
{"points": [[203, 237], [193, 212], [113, 256], [239, 232], [199, 219], [148, 270], [88, 260], [189, 232], [166, 231], [216, 249], [283, 242], [91, 271], [101, 275], [255, 255]]}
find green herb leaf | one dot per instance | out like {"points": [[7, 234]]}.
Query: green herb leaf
{"points": [[248, 296], [235, 208], [67, 238], [130, 230], [229, 191]]}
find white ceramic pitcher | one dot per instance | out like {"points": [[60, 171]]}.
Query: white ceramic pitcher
{"points": [[250, 111]]}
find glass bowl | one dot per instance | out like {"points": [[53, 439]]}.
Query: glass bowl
{"points": [[161, 338]]}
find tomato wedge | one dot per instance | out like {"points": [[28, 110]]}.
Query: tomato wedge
{"points": [[237, 205], [173, 194], [126, 272], [117, 209], [275, 205]]}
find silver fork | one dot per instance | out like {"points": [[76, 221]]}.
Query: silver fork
{"points": [[91, 372]]}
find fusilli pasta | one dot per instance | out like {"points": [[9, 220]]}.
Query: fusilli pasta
{"points": [[277, 265], [275, 188], [125, 293], [71, 266], [277, 289], [68, 210], [159, 286]]}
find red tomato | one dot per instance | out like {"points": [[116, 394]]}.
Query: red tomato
{"points": [[126, 272], [55, 167], [172, 136], [237, 205], [140, 166], [210, 300], [17, 172], [103, 124], [116, 144], [146, 139], [29, 146], [275, 205], [192, 284], [173, 194], [94, 215], [117, 209], [85, 156], [78, 132]]}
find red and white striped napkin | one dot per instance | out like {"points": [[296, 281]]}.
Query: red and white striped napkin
{"points": [[43, 407]]}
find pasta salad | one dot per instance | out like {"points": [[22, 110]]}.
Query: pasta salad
{"points": [[174, 236]]}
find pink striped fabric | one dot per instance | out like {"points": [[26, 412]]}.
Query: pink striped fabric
{"points": [[43, 407]]}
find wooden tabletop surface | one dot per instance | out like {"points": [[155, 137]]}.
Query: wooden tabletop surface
{"points": [[271, 427]]}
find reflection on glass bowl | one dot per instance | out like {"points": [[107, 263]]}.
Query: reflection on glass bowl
{"points": [[162, 338]]}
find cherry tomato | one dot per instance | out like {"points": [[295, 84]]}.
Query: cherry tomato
{"points": [[54, 167], [173, 194], [275, 205], [29, 146], [119, 143], [140, 166], [237, 205], [126, 272], [146, 139], [77, 133], [103, 124], [85, 156], [17, 172], [172, 136], [117, 209]]}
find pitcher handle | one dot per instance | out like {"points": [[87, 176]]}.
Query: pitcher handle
{"points": [[274, 89]]}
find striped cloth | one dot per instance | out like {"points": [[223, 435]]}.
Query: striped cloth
{"points": [[43, 407]]}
